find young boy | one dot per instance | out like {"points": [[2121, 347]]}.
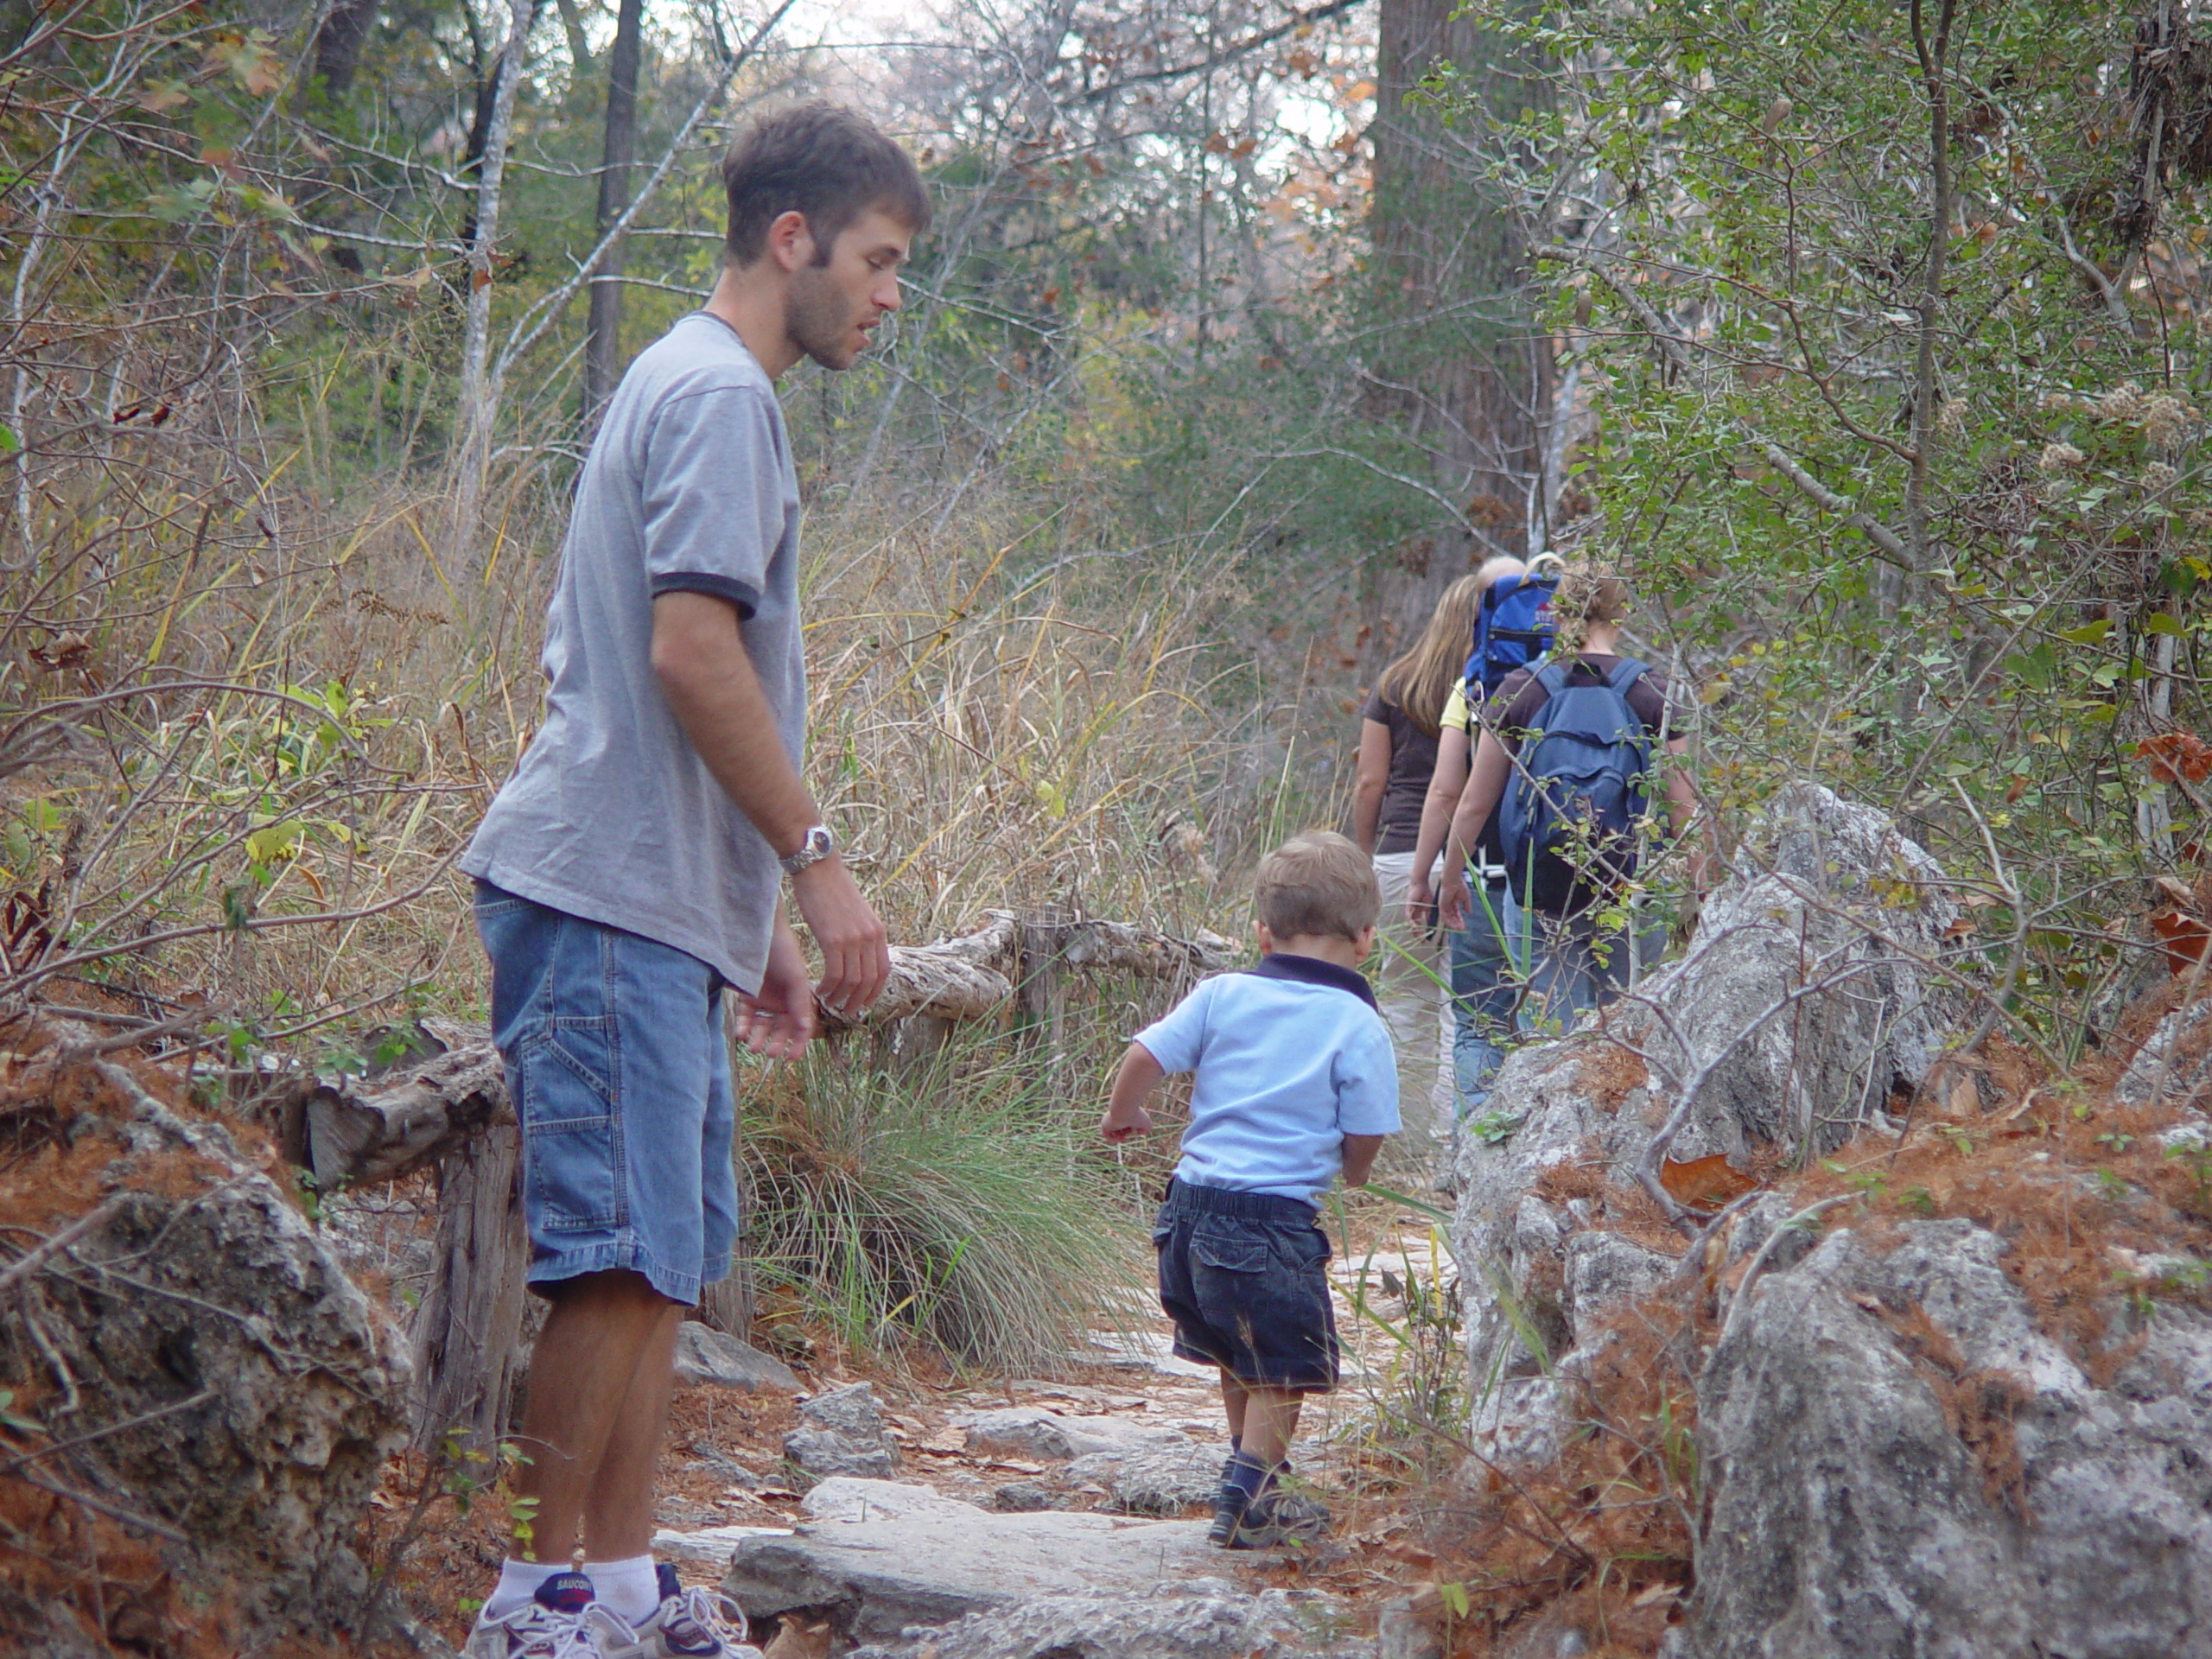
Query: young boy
{"points": [[1296, 1080]]}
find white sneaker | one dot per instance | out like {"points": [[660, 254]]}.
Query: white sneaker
{"points": [[694, 1623], [560, 1621]]}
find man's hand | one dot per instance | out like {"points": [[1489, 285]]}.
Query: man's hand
{"points": [[855, 955], [777, 1019]]}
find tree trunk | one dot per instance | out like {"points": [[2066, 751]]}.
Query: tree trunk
{"points": [[338, 43], [477, 405], [603, 359], [1465, 369]]}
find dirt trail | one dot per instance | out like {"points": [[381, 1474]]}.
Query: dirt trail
{"points": [[724, 1464]]}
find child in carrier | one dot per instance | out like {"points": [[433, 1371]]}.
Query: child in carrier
{"points": [[1296, 1083], [1568, 758]]}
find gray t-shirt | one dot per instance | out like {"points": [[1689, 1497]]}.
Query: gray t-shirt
{"points": [[612, 816]]}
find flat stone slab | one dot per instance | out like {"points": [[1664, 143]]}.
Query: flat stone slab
{"points": [[948, 1559], [1038, 1431], [709, 1543], [850, 1497]]}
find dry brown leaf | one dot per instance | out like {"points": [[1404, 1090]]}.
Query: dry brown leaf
{"points": [[1704, 1183]]}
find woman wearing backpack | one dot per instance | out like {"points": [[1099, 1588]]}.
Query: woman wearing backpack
{"points": [[1566, 756], [1398, 731], [1486, 956]]}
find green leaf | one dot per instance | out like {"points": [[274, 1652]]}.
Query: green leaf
{"points": [[2089, 633], [273, 841], [2159, 622], [9, 441]]}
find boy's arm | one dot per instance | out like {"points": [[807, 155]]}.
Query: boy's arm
{"points": [[1140, 1074], [1359, 1157]]}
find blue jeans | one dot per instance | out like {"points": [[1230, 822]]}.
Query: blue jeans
{"points": [[1575, 966], [1489, 960], [621, 1079]]}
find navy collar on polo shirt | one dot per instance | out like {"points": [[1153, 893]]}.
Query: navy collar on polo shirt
{"points": [[1311, 970]]}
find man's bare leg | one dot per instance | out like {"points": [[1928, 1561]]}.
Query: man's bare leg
{"points": [[618, 1515], [582, 1376]]}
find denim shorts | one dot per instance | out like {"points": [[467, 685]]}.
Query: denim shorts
{"points": [[1245, 1275], [621, 1078]]}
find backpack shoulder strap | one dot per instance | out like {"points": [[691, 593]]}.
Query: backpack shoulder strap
{"points": [[1627, 672], [1553, 677]]}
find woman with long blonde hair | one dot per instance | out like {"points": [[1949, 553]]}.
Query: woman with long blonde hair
{"points": [[1399, 730]]}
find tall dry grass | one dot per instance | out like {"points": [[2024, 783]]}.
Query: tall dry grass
{"points": [[248, 759]]}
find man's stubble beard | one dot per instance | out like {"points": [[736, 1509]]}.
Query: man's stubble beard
{"points": [[817, 317]]}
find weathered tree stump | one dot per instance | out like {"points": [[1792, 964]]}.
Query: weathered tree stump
{"points": [[467, 1332]]}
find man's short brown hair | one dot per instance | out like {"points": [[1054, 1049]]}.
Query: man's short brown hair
{"points": [[821, 159], [1319, 882]]}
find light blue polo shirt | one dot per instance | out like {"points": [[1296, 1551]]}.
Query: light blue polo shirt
{"points": [[1291, 1057]]}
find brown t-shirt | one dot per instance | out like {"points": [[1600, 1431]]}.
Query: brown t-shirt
{"points": [[1413, 762], [1520, 699]]}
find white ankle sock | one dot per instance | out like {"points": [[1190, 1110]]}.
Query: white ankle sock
{"points": [[518, 1582], [629, 1587]]}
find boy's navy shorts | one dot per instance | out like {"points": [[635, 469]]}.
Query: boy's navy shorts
{"points": [[1245, 1275]]}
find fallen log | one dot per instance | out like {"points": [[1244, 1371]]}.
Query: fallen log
{"points": [[358, 1132], [972, 977]]}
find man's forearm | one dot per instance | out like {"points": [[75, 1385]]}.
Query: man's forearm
{"points": [[699, 658]]}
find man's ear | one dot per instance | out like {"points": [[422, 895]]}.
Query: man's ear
{"points": [[1266, 937], [790, 242]]}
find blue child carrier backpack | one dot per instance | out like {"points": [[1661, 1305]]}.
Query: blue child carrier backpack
{"points": [[1569, 824], [1513, 628]]}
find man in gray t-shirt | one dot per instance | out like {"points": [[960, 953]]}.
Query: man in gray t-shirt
{"points": [[630, 869]]}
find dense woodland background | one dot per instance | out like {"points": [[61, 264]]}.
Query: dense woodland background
{"points": [[1865, 334]]}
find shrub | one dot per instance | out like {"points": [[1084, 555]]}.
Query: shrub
{"points": [[955, 1203]]}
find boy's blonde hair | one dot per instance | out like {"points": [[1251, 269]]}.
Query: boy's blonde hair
{"points": [[1319, 882]]}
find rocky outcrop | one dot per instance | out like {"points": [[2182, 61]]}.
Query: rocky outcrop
{"points": [[1898, 1461], [193, 1352], [883, 1556], [1806, 997]]}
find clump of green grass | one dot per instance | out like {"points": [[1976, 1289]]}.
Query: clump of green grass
{"points": [[954, 1204]]}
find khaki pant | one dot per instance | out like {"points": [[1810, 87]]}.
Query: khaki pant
{"points": [[1410, 986]]}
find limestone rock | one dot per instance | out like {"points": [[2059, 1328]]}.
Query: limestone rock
{"points": [[877, 1576], [709, 1543], [1217, 1621], [1850, 1520], [2174, 1063], [204, 1347], [1802, 997], [1027, 1498], [843, 1498], [1165, 1479], [841, 1433], [704, 1355], [1035, 1432]]}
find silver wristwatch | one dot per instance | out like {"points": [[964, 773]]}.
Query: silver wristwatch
{"points": [[817, 845]]}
